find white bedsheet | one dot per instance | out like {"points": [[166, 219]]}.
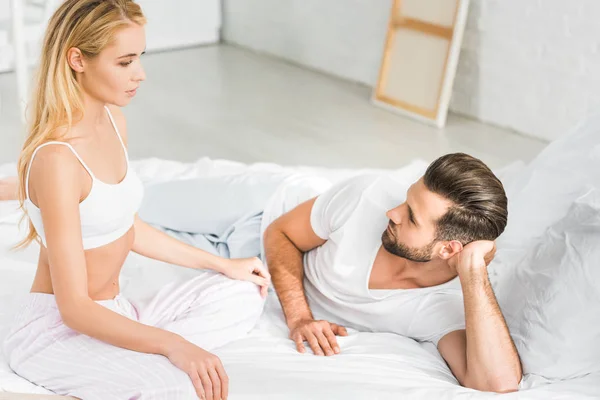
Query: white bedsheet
{"points": [[266, 364]]}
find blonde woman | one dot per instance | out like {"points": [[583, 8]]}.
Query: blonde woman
{"points": [[77, 335]]}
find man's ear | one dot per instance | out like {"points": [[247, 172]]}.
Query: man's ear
{"points": [[450, 249], [75, 59]]}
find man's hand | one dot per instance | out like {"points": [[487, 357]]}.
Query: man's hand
{"points": [[476, 254], [320, 335]]}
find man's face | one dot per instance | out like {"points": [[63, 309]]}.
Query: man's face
{"points": [[412, 227]]}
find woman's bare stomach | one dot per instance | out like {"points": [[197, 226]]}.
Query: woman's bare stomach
{"points": [[103, 266]]}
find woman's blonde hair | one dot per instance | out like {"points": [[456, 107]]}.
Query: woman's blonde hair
{"points": [[57, 101]]}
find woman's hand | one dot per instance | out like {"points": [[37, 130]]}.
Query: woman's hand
{"points": [[248, 269], [204, 369]]}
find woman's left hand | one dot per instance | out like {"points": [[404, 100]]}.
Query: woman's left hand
{"points": [[248, 269]]}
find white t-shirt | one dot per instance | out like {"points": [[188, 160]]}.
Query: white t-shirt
{"points": [[351, 217]]}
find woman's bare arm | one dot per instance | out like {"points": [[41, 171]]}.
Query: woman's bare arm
{"points": [[153, 243], [56, 174]]}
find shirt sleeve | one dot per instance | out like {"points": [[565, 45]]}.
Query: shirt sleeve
{"points": [[332, 208], [439, 314]]}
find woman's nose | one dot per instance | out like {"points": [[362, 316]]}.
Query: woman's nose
{"points": [[140, 75]]}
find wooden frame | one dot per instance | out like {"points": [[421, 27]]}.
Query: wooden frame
{"points": [[443, 36]]}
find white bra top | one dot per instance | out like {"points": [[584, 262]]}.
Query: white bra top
{"points": [[108, 212]]}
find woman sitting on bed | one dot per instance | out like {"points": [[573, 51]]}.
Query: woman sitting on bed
{"points": [[77, 335]]}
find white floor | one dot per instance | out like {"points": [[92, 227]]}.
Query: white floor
{"points": [[226, 102]]}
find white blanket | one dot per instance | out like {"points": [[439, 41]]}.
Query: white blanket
{"points": [[266, 364]]}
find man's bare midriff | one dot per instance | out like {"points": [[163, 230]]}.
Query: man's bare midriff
{"points": [[103, 266]]}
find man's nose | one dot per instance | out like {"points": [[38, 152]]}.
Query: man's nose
{"points": [[395, 215]]}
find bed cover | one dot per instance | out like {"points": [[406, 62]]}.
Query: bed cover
{"points": [[265, 365]]}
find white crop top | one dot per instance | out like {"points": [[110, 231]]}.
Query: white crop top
{"points": [[107, 213]]}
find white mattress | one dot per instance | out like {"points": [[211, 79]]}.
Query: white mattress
{"points": [[266, 364]]}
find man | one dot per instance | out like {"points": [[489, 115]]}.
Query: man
{"points": [[366, 255], [369, 255]]}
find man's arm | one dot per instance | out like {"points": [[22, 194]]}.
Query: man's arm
{"points": [[286, 240], [482, 356]]}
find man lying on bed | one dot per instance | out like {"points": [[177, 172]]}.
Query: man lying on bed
{"points": [[368, 255]]}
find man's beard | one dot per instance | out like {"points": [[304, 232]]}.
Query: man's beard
{"points": [[391, 244]]}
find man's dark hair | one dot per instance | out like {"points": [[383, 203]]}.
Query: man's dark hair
{"points": [[479, 210]]}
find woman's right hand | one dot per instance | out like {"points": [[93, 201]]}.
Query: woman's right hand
{"points": [[205, 369]]}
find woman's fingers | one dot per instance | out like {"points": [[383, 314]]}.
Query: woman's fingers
{"points": [[197, 382], [263, 277], [264, 291], [206, 384], [216, 383], [261, 270], [258, 280], [224, 381]]}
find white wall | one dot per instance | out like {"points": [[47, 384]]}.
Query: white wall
{"points": [[191, 23], [530, 65], [342, 37]]}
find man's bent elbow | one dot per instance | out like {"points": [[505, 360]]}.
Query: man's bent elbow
{"points": [[270, 232], [506, 384]]}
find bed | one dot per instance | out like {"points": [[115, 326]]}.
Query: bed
{"points": [[265, 365]]}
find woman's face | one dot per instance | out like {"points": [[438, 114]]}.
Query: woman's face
{"points": [[115, 74]]}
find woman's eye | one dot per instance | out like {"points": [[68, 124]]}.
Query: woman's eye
{"points": [[126, 63]]}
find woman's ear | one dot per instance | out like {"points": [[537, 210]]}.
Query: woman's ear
{"points": [[450, 249], [75, 59]]}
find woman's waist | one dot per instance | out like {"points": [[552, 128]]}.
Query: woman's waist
{"points": [[102, 275]]}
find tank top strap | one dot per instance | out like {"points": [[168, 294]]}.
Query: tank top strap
{"points": [[46, 144], [118, 133]]}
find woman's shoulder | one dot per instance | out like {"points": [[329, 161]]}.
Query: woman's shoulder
{"points": [[53, 153], [53, 166]]}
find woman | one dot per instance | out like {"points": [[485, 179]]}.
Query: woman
{"points": [[77, 335]]}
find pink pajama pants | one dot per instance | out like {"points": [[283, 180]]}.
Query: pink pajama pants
{"points": [[209, 310]]}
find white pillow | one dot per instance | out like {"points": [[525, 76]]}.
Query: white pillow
{"points": [[544, 190], [551, 300]]}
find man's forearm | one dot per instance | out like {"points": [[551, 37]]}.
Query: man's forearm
{"points": [[492, 359], [287, 273]]}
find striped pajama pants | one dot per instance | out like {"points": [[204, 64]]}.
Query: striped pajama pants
{"points": [[209, 310]]}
